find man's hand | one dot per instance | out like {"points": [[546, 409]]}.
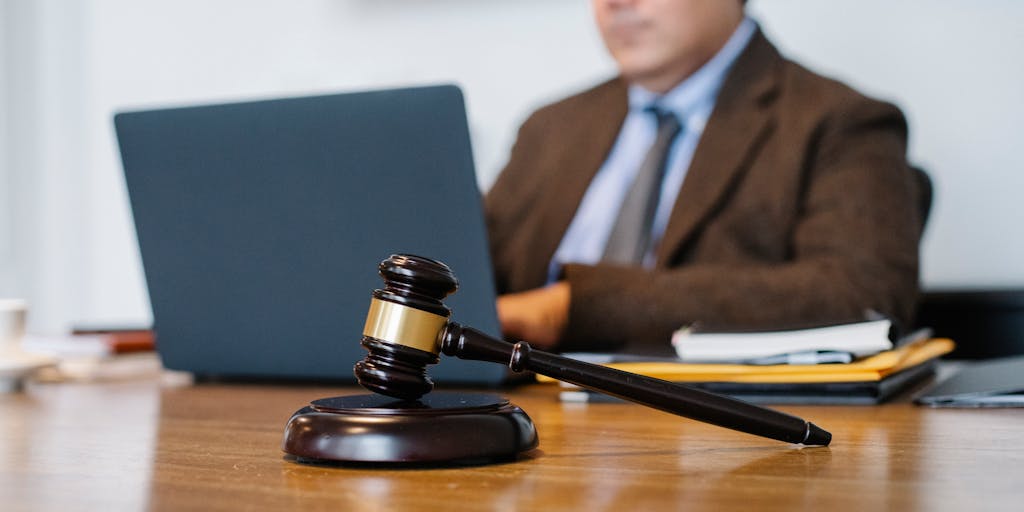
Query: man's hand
{"points": [[538, 316]]}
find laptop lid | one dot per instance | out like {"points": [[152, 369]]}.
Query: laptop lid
{"points": [[261, 225]]}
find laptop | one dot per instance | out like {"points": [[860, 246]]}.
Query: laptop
{"points": [[261, 225], [995, 382]]}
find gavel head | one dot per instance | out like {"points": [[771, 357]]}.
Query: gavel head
{"points": [[402, 327]]}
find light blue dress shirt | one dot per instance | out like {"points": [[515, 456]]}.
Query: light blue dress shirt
{"points": [[692, 102]]}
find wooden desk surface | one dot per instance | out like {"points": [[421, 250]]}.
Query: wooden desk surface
{"points": [[132, 446]]}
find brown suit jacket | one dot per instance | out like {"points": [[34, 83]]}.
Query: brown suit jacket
{"points": [[798, 208]]}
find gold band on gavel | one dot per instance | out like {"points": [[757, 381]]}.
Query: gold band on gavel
{"points": [[403, 325]]}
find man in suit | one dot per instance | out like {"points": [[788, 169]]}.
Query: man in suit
{"points": [[780, 198]]}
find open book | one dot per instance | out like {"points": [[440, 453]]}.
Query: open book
{"points": [[837, 343]]}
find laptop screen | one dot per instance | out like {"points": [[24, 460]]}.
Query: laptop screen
{"points": [[261, 225]]}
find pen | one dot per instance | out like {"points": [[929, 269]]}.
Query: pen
{"points": [[467, 343], [808, 357], [805, 357]]}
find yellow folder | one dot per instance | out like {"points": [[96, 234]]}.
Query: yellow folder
{"points": [[869, 369]]}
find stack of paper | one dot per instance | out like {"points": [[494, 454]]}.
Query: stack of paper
{"points": [[107, 355], [839, 343]]}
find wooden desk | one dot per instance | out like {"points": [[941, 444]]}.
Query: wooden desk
{"points": [[135, 446]]}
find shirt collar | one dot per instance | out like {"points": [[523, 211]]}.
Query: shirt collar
{"points": [[697, 93]]}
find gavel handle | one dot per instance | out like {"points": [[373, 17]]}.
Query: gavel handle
{"points": [[686, 401]]}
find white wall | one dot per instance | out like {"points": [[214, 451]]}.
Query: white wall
{"points": [[6, 253], [46, 147], [70, 64]]}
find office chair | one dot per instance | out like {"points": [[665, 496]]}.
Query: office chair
{"points": [[984, 323], [924, 194]]}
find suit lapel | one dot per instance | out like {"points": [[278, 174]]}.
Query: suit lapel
{"points": [[740, 122], [585, 151]]}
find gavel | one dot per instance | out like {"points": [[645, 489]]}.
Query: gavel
{"points": [[408, 326]]}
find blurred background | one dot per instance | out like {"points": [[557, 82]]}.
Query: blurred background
{"points": [[66, 238]]}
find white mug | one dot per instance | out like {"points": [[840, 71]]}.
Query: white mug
{"points": [[13, 313]]}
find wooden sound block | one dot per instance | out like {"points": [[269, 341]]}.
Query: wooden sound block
{"points": [[439, 428]]}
